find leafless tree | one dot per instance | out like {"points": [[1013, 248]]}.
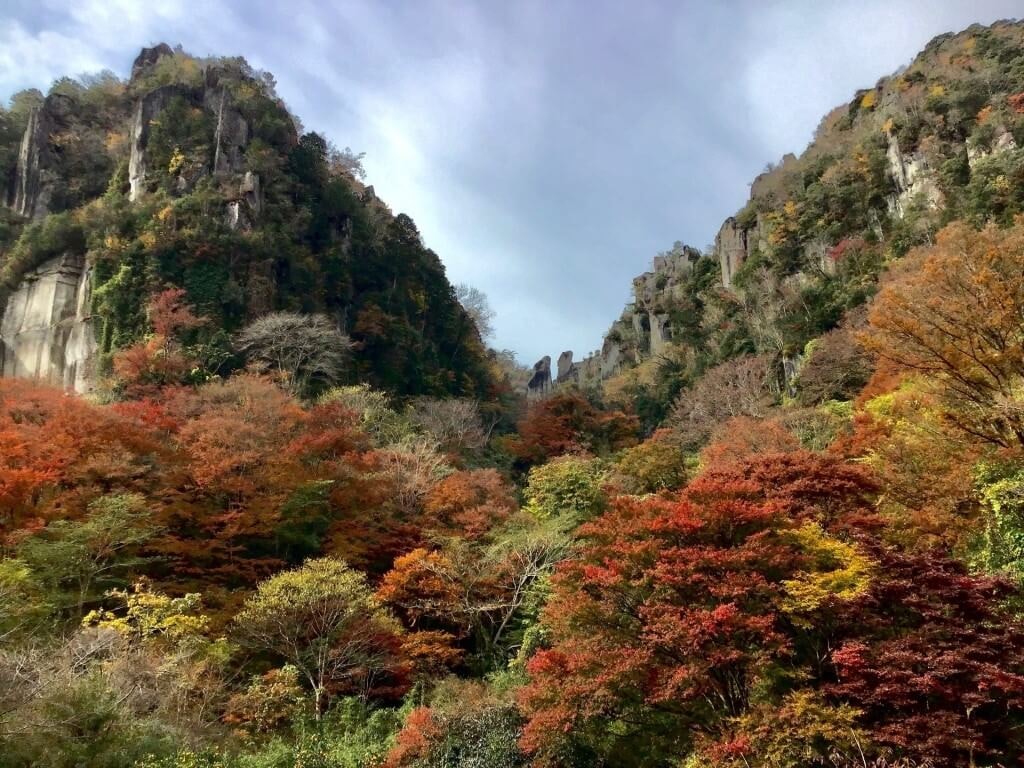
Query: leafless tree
{"points": [[301, 350], [346, 162], [413, 468], [838, 366], [455, 424], [741, 387], [475, 302]]}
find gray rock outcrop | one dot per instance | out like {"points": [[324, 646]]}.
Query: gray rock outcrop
{"points": [[36, 175], [243, 212], [148, 57], [540, 383], [231, 137], [912, 178], [47, 332], [147, 109], [565, 367], [1002, 141]]}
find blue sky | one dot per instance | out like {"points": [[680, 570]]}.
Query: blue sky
{"points": [[547, 150]]}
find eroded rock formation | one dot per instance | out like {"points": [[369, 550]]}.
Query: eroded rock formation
{"points": [[46, 332], [643, 330], [540, 383], [36, 175], [147, 109], [230, 140], [912, 178]]}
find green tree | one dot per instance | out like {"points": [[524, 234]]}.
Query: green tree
{"points": [[568, 488], [324, 619], [80, 555]]}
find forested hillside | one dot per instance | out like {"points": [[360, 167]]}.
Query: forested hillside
{"points": [[302, 517], [193, 174]]}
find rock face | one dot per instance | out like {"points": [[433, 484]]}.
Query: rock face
{"points": [[1002, 141], [231, 138], [731, 249], [734, 244], [36, 174], [232, 133], [47, 332], [243, 212], [540, 383], [565, 367], [148, 57], [912, 178], [643, 330], [147, 109]]}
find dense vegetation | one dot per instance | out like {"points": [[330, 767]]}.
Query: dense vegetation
{"points": [[704, 562], [821, 228], [318, 241]]}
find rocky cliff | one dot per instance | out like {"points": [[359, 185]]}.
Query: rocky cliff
{"points": [[939, 139], [47, 332], [643, 330], [35, 177], [193, 174]]}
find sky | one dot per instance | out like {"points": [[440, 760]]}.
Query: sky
{"points": [[547, 150]]}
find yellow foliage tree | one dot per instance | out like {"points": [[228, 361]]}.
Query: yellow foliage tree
{"points": [[839, 573]]}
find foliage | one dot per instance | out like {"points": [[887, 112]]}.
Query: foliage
{"points": [[569, 489], [804, 729], [567, 422], [1001, 491], [82, 555], [454, 424], [474, 301], [931, 660], [377, 415], [742, 436], [952, 313], [657, 464], [323, 619], [736, 388], [657, 630], [789, 570], [466, 725], [836, 367]]}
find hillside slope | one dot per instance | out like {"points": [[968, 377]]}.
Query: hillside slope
{"points": [[193, 174], [940, 140]]}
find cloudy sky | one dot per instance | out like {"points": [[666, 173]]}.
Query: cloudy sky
{"points": [[547, 150]]}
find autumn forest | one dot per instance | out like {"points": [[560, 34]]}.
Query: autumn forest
{"points": [[301, 514]]}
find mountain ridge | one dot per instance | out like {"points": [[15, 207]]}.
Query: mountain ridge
{"points": [[906, 184], [135, 179]]}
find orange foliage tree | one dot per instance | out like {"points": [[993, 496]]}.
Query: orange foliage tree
{"points": [[160, 359], [469, 503], [235, 472], [59, 452], [567, 422], [954, 312], [743, 436]]}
